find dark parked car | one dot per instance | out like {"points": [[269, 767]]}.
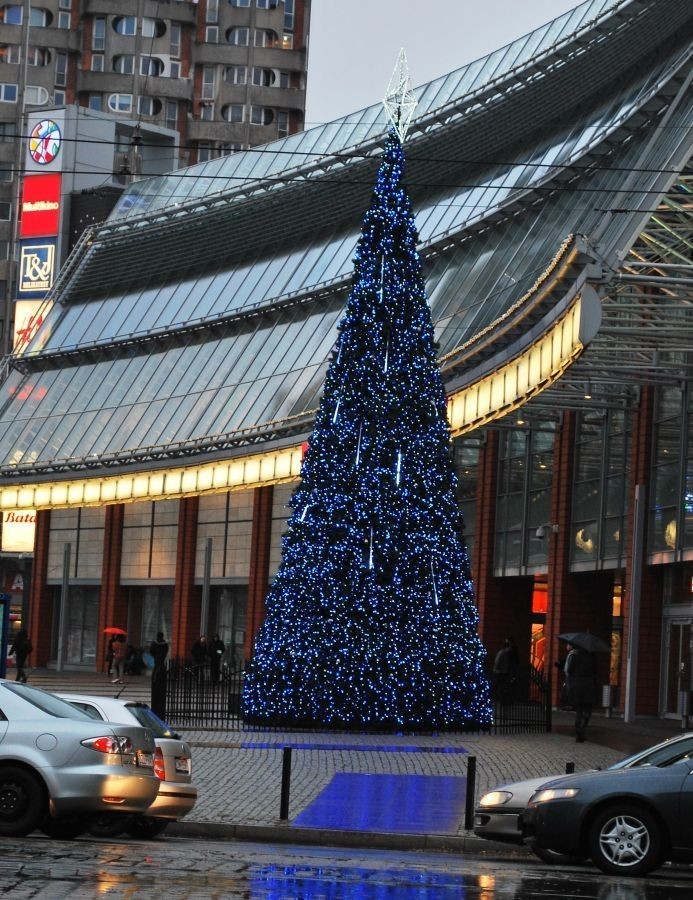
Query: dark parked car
{"points": [[498, 814], [628, 821]]}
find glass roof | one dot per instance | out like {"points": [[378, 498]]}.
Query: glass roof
{"points": [[226, 173]]}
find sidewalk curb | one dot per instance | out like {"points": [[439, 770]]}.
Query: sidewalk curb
{"points": [[288, 834]]}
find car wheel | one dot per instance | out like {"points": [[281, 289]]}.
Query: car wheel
{"points": [[554, 858], [626, 840], [109, 825], [146, 827], [22, 801], [64, 828]]}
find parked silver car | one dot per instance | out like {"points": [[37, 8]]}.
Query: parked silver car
{"points": [[172, 765], [498, 814], [58, 767]]}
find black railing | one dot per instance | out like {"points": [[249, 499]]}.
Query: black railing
{"points": [[522, 705], [195, 696]]}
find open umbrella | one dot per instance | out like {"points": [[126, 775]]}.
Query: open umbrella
{"points": [[586, 641], [114, 630]]}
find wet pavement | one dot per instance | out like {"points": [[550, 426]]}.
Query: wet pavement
{"points": [[37, 868]]}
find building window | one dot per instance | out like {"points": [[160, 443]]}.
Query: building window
{"points": [[204, 152], [10, 54], [287, 41], [234, 112], [265, 37], [282, 123], [148, 106], [236, 74], [4, 249], [126, 25], [174, 71], [153, 28], [228, 149], [124, 65], [64, 20], [7, 132], [38, 18], [209, 77], [97, 62], [212, 34], [98, 35], [175, 33], [207, 110], [65, 4], [264, 77], [237, 37], [5, 174], [261, 115], [95, 102], [289, 15], [212, 13], [150, 65], [239, 2], [171, 117], [120, 103], [8, 93], [266, 4], [36, 56], [61, 69], [285, 79], [5, 212], [34, 95], [59, 98]]}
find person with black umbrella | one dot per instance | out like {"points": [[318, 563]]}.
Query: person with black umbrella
{"points": [[581, 686]]}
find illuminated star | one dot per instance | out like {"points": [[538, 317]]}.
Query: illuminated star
{"points": [[400, 102]]}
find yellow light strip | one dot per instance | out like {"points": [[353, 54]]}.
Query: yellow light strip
{"points": [[484, 401], [206, 478]]}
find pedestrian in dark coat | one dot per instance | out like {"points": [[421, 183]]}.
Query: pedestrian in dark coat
{"points": [[581, 686], [217, 649], [200, 653], [21, 648], [159, 651]]}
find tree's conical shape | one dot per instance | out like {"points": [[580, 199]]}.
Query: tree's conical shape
{"points": [[371, 620]]}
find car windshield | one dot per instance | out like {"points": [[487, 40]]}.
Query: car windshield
{"points": [[149, 719], [47, 703], [661, 755]]}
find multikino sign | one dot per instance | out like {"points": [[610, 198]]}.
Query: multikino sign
{"points": [[18, 531]]}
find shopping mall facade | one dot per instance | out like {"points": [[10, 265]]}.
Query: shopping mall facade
{"points": [[156, 421]]}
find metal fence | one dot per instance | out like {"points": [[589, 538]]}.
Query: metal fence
{"points": [[196, 697]]}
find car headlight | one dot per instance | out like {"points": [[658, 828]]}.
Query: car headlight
{"points": [[495, 798], [553, 794]]}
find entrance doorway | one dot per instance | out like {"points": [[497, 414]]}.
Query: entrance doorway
{"points": [[678, 668]]}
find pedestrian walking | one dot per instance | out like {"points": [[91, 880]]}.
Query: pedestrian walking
{"points": [[109, 655], [501, 672], [581, 687], [217, 649], [20, 649], [158, 650], [200, 653], [119, 654]]}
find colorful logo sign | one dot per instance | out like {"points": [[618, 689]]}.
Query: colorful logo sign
{"points": [[36, 268], [44, 142], [40, 205]]}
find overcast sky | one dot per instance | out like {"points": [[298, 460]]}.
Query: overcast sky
{"points": [[354, 43]]}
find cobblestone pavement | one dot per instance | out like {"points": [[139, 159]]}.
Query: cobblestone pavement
{"points": [[238, 773]]}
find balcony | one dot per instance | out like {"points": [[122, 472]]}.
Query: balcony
{"points": [[218, 131], [179, 12]]}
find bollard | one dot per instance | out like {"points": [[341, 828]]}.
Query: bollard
{"points": [[286, 784], [569, 768], [471, 791]]}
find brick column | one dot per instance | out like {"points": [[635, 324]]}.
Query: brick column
{"points": [[40, 612], [113, 606], [259, 565], [187, 597], [650, 629]]}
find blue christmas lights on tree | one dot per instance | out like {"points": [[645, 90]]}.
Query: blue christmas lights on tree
{"points": [[371, 621]]}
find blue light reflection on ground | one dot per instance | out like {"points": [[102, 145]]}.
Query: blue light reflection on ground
{"points": [[353, 883], [418, 804]]}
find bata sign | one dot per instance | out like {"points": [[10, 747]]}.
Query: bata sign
{"points": [[40, 206], [18, 531]]}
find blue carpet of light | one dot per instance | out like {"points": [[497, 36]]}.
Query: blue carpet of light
{"points": [[405, 804]]}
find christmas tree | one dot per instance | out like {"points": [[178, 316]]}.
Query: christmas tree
{"points": [[371, 619]]}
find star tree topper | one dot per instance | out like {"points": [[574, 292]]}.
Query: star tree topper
{"points": [[400, 102]]}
